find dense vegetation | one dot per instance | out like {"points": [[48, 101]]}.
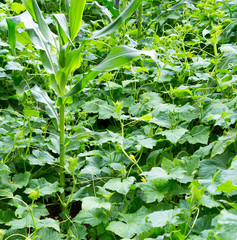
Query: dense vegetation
{"points": [[118, 119]]}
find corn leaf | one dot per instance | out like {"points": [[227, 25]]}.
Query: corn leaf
{"points": [[116, 58], [36, 36], [12, 34], [42, 96], [62, 27], [34, 10], [118, 21], [75, 16]]}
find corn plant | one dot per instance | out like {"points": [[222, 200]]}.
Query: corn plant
{"points": [[61, 58]]}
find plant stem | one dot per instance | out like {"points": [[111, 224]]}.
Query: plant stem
{"points": [[139, 27], [32, 216], [134, 161], [30, 137], [73, 189], [62, 152], [189, 219]]}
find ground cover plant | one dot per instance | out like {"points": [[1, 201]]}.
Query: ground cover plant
{"points": [[118, 119]]}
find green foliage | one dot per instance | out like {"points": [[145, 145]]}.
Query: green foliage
{"points": [[110, 132]]}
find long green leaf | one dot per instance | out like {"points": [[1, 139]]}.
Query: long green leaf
{"points": [[36, 13], [116, 58], [42, 96], [63, 31], [118, 21], [29, 6], [75, 16], [82, 83], [72, 62], [121, 55], [12, 35], [37, 38]]}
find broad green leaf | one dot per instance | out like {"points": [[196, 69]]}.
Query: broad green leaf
{"points": [[208, 167], [220, 179], [47, 233], [173, 135], [78, 231], [181, 169], [234, 163], [198, 134], [120, 185], [15, 66], [226, 187], [24, 217], [48, 223], [6, 192], [118, 21], [20, 180], [130, 224], [162, 218], [45, 188], [152, 99], [83, 133], [204, 151], [147, 143], [93, 217], [223, 142], [110, 136], [42, 96], [226, 225], [3, 168], [18, 8], [209, 202], [31, 113], [154, 189], [27, 222], [6, 216], [75, 16], [23, 210], [89, 203], [99, 106], [40, 158], [155, 173]]}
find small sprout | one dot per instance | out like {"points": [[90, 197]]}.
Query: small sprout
{"points": [[118, 107], [123, 172], [72, 164], [34, 194]]}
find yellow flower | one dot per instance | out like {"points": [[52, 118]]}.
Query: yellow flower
{"points": [[132, 157], [143, 179]]}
